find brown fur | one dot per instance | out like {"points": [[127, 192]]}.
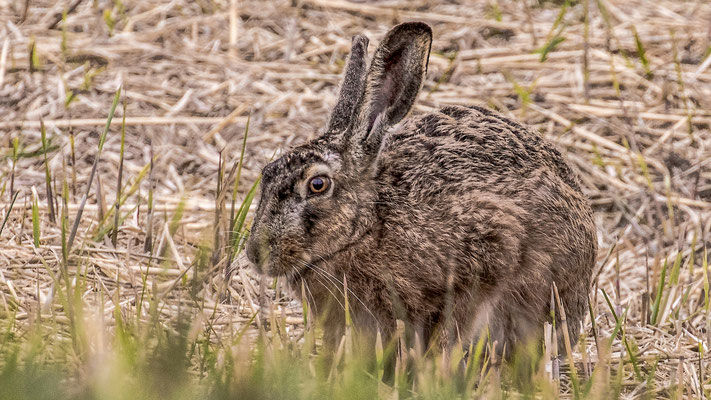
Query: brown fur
{"points": [[453, 221]]}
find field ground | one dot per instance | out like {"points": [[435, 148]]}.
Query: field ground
{"points": [[623, 87]]}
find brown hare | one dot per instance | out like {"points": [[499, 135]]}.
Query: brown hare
{"points": [[456, 222]]}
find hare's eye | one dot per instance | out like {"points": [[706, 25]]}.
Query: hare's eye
{"points": [[318, 184]]}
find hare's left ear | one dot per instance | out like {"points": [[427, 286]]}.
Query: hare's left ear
{"points": [[351, 88], [395, 76]]}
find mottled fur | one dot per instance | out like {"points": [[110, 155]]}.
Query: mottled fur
{"points": [[453, 221]]}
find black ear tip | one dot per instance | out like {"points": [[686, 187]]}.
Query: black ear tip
{"points": [[412, 28], [359, 42]]}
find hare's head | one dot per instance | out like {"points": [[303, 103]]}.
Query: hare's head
{"points": [[320, 198]]}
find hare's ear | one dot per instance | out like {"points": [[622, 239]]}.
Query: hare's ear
{"points": [[395, 76], [351, 88]]}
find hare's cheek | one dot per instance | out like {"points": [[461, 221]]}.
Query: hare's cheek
{"points": [[312, 220]]}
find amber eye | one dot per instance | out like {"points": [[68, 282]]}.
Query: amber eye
{"points": [[318, 184]]}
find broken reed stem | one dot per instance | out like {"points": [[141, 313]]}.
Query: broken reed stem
{"points": [[566, 340], [100, 199], [234, 27], [555, 361]]}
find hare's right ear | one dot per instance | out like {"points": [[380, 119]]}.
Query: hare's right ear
{"points": [[395, 76]]}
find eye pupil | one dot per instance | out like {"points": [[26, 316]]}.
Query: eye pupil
{"points": [[318, 184]]}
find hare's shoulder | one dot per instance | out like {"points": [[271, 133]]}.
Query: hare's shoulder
{"points": [[472, 141]]}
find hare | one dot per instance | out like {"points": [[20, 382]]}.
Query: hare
{"points": [[457, 222]]}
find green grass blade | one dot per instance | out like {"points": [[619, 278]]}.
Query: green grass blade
{"points": [[102, 140], [238, 226], [642, 54], [549, 47], [676, 269], [660, 291]]}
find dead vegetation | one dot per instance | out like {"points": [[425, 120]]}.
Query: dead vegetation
{"points": [[622, 87]]}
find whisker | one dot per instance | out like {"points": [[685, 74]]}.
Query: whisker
{"points": [[325, 274], [307, 290], [340, 284], [319, 273]]}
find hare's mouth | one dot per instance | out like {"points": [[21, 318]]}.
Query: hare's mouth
{"points": [[298, 265], [272, 260], [290, 264]]}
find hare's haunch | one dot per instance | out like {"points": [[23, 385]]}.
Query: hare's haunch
{"points": [[456, 222]]}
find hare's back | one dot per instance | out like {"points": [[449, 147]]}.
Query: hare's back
{"points": [[461, 146]]}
